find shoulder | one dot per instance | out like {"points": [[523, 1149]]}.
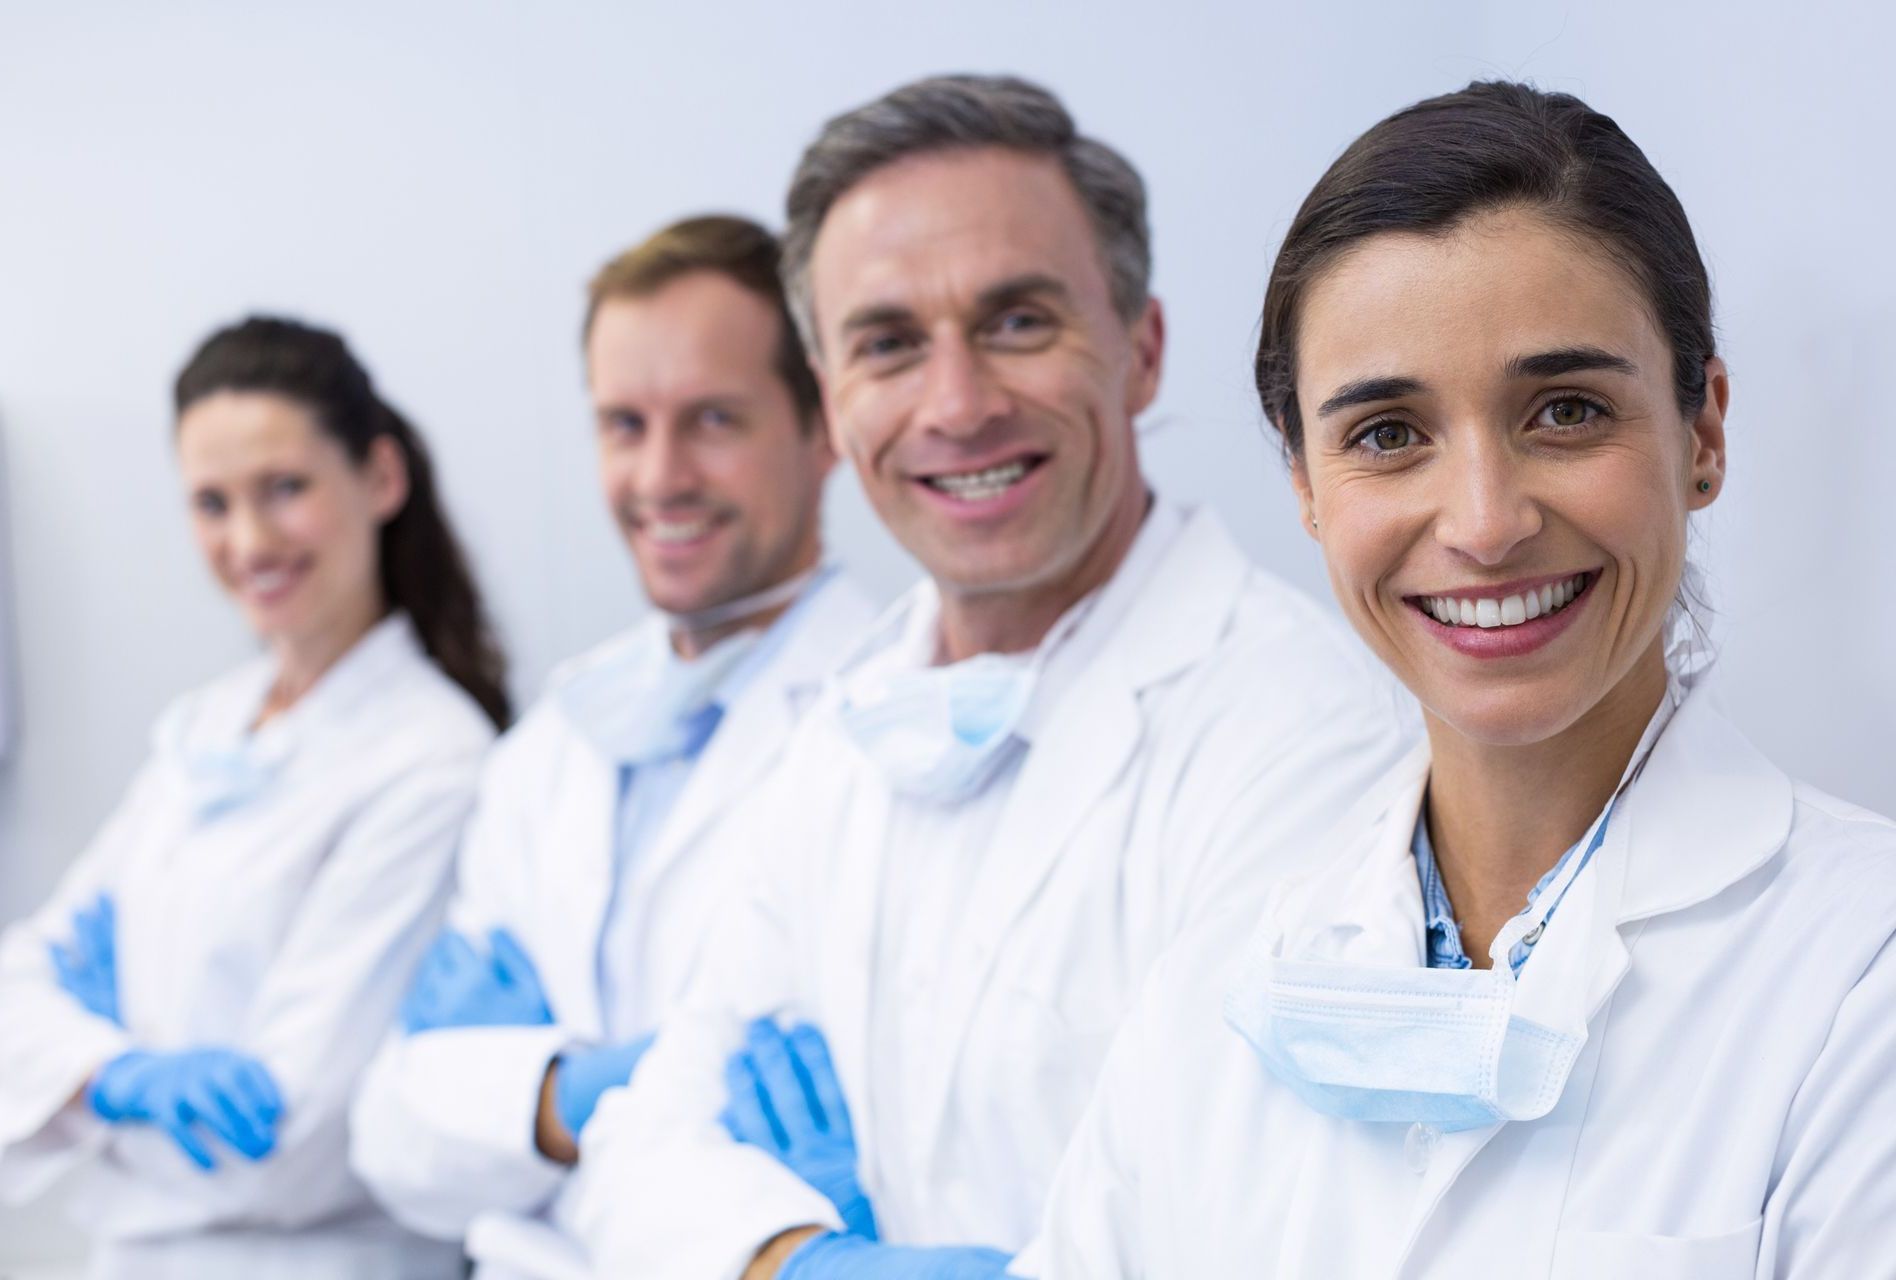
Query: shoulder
{"points": [[1843, 852]]}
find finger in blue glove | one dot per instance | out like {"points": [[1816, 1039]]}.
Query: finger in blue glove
{"points": [[457, 986], [784, 1096], [841, 1257], [584, 1074], [87, 967], [229, 1094]]}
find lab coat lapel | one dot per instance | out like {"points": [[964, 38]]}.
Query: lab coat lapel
{"points": [[582, 835], [747, 740], [1144, 630]]}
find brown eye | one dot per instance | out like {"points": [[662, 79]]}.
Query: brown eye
{"points": [[1390, 436], [1568, 413]]}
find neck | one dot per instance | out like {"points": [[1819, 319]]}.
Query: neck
{"points": [[1500, 816], [304, 659], [1014, 621], [691, 641]]}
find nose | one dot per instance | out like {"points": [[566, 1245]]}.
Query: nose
{"points": [[1486, 509], [960, 393], [252, 535], [666, 469]]}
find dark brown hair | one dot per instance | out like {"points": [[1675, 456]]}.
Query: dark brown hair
{"points": [[423, 569], [1492, 145], [734, 247]]}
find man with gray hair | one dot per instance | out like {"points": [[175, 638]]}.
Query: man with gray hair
{"points": [[1091, 725]]}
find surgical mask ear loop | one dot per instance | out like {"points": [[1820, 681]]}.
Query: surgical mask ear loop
{"points": [[713, 616]]}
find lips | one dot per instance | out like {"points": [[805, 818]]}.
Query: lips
{"points": [[267, 586], [1508, 621], [678, 530], [983, 484], [1510, 610]]}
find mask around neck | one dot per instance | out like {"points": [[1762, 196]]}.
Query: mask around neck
{"points": [[941, 734]]}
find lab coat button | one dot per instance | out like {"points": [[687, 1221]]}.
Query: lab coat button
{"points": [[1419, 1147]]}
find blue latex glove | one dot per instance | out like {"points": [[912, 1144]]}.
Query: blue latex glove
{"points": [[227, 1093], [87, 967], [583, 1074], [835, 1257], [457, 986], [786, 1099]]}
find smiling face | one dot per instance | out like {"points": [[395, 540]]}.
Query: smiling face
{"points": [[977, 375], [289, 524], [715, 482], [1498, 469]]}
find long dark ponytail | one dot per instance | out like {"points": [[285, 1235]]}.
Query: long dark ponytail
{"points": [[424, 571]]}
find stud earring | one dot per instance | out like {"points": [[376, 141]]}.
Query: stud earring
{"points": [[1705, 486]]}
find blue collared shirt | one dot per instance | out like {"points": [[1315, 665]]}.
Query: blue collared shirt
{"points": [[649, 792], [1438, 913]]}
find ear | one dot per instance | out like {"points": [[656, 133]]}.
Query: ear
{"points": [[1306, 497], [1708, 439], [1148, 358], [386, 469]]}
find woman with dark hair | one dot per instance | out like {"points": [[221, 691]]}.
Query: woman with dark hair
{"points": [[1588, 987], [186, 1018]]}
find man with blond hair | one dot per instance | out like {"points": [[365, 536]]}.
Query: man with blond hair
{"points": [[593, 863]]}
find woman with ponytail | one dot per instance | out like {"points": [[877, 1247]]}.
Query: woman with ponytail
{"points": [[186, 1018]]}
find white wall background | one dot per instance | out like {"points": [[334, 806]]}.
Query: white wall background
{"points": [[438, 180]]}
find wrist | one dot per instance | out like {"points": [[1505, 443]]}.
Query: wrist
{"points": [[774, 1257], [550, 1134]]}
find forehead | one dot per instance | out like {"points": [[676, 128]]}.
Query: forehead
{"points": [[1465, 301], [234, 431], [937, 228], [701, 334]]}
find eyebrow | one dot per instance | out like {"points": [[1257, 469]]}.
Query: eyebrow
{"points": [[995, 297], [1542, 364], [1368, 391], [1552, 364], [1020, 288]]}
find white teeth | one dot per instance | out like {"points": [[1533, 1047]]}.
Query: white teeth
{"points": [[979, 486], [266, 583], [676, 531], [1508, 611]]}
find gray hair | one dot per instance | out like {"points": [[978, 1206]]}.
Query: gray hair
{"points": [[947, 112]]}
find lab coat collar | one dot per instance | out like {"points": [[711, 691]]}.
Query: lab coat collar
{"points": [[219, 718], [1708, 811]]}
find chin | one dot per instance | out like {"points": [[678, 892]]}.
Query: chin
{"points": [[1508, 715]]}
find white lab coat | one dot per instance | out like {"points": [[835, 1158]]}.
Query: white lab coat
{"points": [[285, 928], [1202, 708], [444, 1121], [1731, 1114]]}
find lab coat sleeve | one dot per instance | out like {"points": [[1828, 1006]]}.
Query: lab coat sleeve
{"points": [[661, 1188], [329, 996], [52, 1045], [1091, 1224], [1831, 1212], [443, 1126]]}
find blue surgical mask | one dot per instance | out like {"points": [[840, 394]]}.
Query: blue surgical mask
{"points": [[1440, 1047], [220, 768], [651, 705], [941, 734]]}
